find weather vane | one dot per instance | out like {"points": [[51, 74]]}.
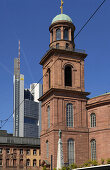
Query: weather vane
{"points": [[61, 6]]}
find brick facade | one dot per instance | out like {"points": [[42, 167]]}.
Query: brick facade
{"points": [[101, 133], [56, 96]]}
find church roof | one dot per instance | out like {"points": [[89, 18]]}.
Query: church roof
{"points": [[61, 17]]}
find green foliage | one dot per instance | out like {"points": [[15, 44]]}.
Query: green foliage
{"points": [[73, 166], [102, 161], [94, 163], [44, 168], [87, 164], [54, 168], [64, 168], [108, 161]]}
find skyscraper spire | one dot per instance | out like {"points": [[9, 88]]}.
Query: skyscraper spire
{"points": [[61, 6], [19, 50], [19, 56]]}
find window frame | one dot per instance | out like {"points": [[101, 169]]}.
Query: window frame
{"points": [[27, 162], [1, 161], [1, 149], [66, 34], [21, 151], [34, 163], [28, 152], [34, 150], [71, 153], [93, 120], [69, 115], [58, 34], [47, 149], [93, 149], [68, 75], [48, 112]]}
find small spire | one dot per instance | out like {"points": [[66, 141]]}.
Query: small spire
{"points": [[19, 56], [61, 6], [19, 50]]}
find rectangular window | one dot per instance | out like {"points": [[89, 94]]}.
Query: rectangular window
{"points": [[14, 162], [39, 152], [28, 152], [7, 150], [34, 152], [47, 146], [21, 162], [0, 162], [57, 45], [39, 162], [0, 150], [21, 151]]}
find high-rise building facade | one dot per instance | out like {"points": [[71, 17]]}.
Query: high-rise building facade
{"points": [[37, 91], [27, 108], [31, 115], [18, 116]]}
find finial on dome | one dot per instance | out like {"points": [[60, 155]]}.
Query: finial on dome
{"points": [[61, 6]]}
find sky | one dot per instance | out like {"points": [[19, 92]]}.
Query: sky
{"points": [[29, 21]]}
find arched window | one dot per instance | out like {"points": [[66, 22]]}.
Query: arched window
{"points": [[58, 34], [52, 35], [69, 115], [48, 111], [68, 76], [71, 151], [65, 34], [34, 162], [49, 77], [93, 120], [47, 148], [28, 162], [57, 45], [93, 149]]}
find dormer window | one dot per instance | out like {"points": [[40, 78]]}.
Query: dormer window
{"points": [[58, 34], [66, 34]]}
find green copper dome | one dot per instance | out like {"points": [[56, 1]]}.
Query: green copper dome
{"points": [[62, 17]]}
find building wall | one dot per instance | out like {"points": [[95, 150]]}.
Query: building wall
{"points": [[12, 159], [57, 64], [37, 91], [32, 157], [101, 133], [31, 117], [21, 107]]}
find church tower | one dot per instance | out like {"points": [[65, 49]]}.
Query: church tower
{"points": [[64, 97]]}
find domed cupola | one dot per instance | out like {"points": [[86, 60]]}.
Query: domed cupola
{"points": [[62, 32]]}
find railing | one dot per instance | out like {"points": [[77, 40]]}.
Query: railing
{"points": [[68, 49]]}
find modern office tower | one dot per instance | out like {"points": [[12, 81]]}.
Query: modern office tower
{"points": [[27, 108], [31, 115], [37, 91], [18, 99]]}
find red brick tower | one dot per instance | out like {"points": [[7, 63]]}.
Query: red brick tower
{"points": [[64, 96]]}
